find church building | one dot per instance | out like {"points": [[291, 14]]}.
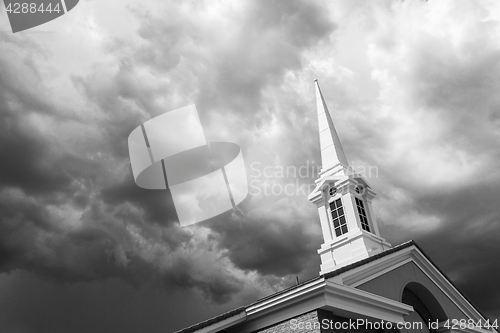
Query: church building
{"points": [[365, 284]]}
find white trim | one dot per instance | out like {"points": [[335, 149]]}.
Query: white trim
{"points": [[361, 302], [286, 297], [282, 313], [350, 236], [376, 268], [372, 269], [336, 296], [379, 273]]}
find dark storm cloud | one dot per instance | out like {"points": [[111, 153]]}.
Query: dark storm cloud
{"points": [[464, 244], [70, 209], [158, 205], [230, 68], [33, 175], [469, 258], [122, 98], [32, 304], [29, 161], [38, 179], [268, 247], [463, 91], [268, 41], [442, 179]]}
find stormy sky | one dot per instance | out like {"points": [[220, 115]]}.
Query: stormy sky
{"points": [[412, 87]]}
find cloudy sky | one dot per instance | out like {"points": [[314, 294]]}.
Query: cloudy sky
{"points": [[413, 90]]}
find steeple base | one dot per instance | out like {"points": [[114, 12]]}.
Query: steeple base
{"points": [[349, 248]]}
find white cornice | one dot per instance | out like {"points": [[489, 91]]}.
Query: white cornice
{"points": [[371, 270], [308, 290], [334, 296], [376, 268], [361, 302]]}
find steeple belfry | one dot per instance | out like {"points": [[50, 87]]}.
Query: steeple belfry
{"points": [[344, 202], [332, 152]]}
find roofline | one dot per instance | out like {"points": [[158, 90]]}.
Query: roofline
{"points": [[214, 320], [356, 264], [341, 270], [325, 276]]}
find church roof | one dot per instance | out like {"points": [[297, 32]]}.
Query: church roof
{"points": [[213, 320], [241, 311], [339, 271]]}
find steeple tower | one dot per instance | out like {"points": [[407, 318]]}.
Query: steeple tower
{"points": [[344, 201]]}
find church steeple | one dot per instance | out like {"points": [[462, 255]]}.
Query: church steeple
{"points": [[332, 152], [344, 202]]}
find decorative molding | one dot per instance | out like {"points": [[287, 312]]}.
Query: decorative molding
{"points": [[374, 269], [292, 296], [352, 302], [377, 274], [361, 302]]}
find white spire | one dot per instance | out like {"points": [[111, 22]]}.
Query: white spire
{"points": [[332, 152], [344, 202]]}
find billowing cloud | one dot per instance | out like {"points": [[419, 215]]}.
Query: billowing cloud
{"points": [[412, 89]]}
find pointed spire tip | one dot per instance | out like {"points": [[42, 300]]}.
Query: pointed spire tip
{"points": [[332, 152]]}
